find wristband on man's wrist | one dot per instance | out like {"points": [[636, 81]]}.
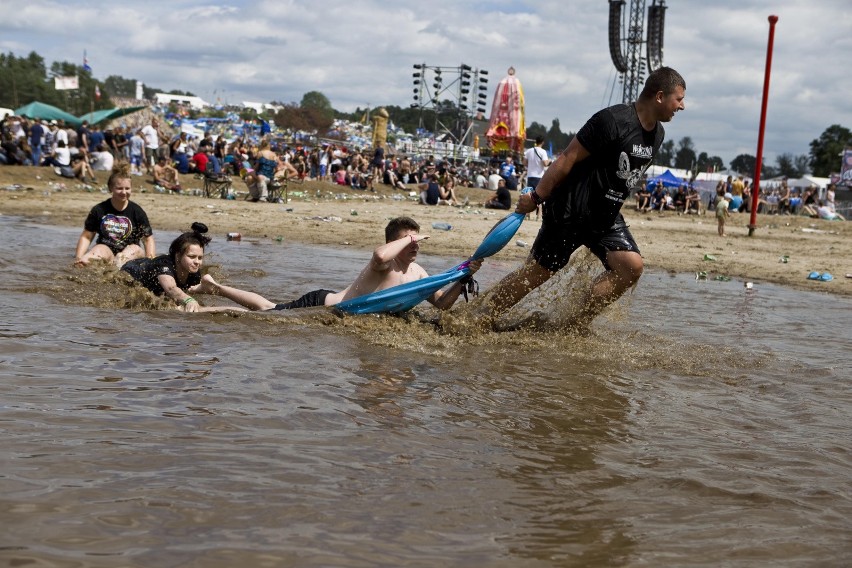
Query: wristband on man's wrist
{"points": [[536, 198]]}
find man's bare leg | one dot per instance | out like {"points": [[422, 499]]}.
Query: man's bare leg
{"points": [[514, 287], [625, 269], [252, 301]]}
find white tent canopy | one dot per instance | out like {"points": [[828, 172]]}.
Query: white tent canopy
{"points": [[801, 183]]}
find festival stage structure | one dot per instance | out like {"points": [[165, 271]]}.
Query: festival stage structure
{"points": [[452, 93], [506, 127], [627, 39]]}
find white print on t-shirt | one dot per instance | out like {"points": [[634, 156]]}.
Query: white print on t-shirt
{"points": [[640, 151], [116, 226], [633, 177]]}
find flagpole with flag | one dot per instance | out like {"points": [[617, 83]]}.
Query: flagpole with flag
{"points": [[86, 62]]}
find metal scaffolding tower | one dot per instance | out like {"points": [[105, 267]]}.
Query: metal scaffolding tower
{"points": [[627, 39]]}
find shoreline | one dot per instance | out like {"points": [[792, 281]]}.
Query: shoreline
{"points": [[325, 214]]}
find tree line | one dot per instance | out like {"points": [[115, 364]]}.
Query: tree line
{"points": [[27, 79]]}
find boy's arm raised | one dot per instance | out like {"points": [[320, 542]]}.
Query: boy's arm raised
{"points": [[384, 254]]}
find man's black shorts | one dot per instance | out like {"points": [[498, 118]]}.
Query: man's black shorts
{"points": [[309, 300], [555, 243]]}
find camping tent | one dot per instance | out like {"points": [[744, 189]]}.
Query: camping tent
{"points": [[668, 179], [47, 112], [108, 114]]}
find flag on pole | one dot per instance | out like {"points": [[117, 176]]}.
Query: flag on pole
{"points": [[86, 62], [97, 93]]}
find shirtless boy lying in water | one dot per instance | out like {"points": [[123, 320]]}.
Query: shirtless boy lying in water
{"points": [[392, 264]]}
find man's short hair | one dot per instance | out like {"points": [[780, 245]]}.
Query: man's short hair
{"points": [[664, 79], [398, 225], [539, 140]]}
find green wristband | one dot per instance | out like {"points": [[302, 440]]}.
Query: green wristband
{"points": [[188, 300]]}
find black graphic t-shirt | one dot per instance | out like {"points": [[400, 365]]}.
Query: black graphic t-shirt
{"points": [[146, 271], [590, 197], [117, 229]]}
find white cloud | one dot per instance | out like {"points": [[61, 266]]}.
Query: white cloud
{"points": [[360, 52]]}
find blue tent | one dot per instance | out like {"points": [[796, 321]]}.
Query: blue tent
{"points": [[668, 179]]}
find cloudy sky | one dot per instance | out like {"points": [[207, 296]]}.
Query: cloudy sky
{"points": [[360, 53]]}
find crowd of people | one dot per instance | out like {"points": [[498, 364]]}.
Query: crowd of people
{"points": [[734, 195], [165, 156]]}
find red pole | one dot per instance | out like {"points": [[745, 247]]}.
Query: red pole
{"points": [[755, 186]]}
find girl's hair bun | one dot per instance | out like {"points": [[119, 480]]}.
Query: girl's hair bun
{"points": [[199, 228]]}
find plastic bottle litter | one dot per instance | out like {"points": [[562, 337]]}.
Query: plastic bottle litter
{"points": [[722, 278], [441, 226], [709, 257], [749, 285], [701, 275], [353, 213], [234, 236], [784, 259], [521, 243]]}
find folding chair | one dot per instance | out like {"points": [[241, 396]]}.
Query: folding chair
{"points": [[216, 184], [277, 190]]}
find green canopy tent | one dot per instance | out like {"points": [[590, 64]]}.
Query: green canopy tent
{"points": [[109, 114], [47, 112]]}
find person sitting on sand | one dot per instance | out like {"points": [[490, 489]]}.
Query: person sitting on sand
{"points": [[643, 199], [824, 212], [166, 176], [118, 223], [447, 192], [392, 264], [502, 199], [693, 201], [430, 190]]}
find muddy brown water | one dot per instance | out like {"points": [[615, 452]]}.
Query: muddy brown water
{"points": [[700, 424]]}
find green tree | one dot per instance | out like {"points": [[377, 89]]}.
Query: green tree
{"points": [[744, 164], [120, 87], [705, 163], [685, 157], [291, 117], [318, 101], [536, 129], [666, 154], [826, 150], [557, 138], [24, 80], [792, 166]]}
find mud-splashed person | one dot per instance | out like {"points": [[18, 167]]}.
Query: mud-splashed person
{"points": [[121, 226], [173, 275], [392, 264], [583, 191]]}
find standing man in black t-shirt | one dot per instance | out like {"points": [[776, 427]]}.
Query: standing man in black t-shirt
{"points": [[583, 192]]}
